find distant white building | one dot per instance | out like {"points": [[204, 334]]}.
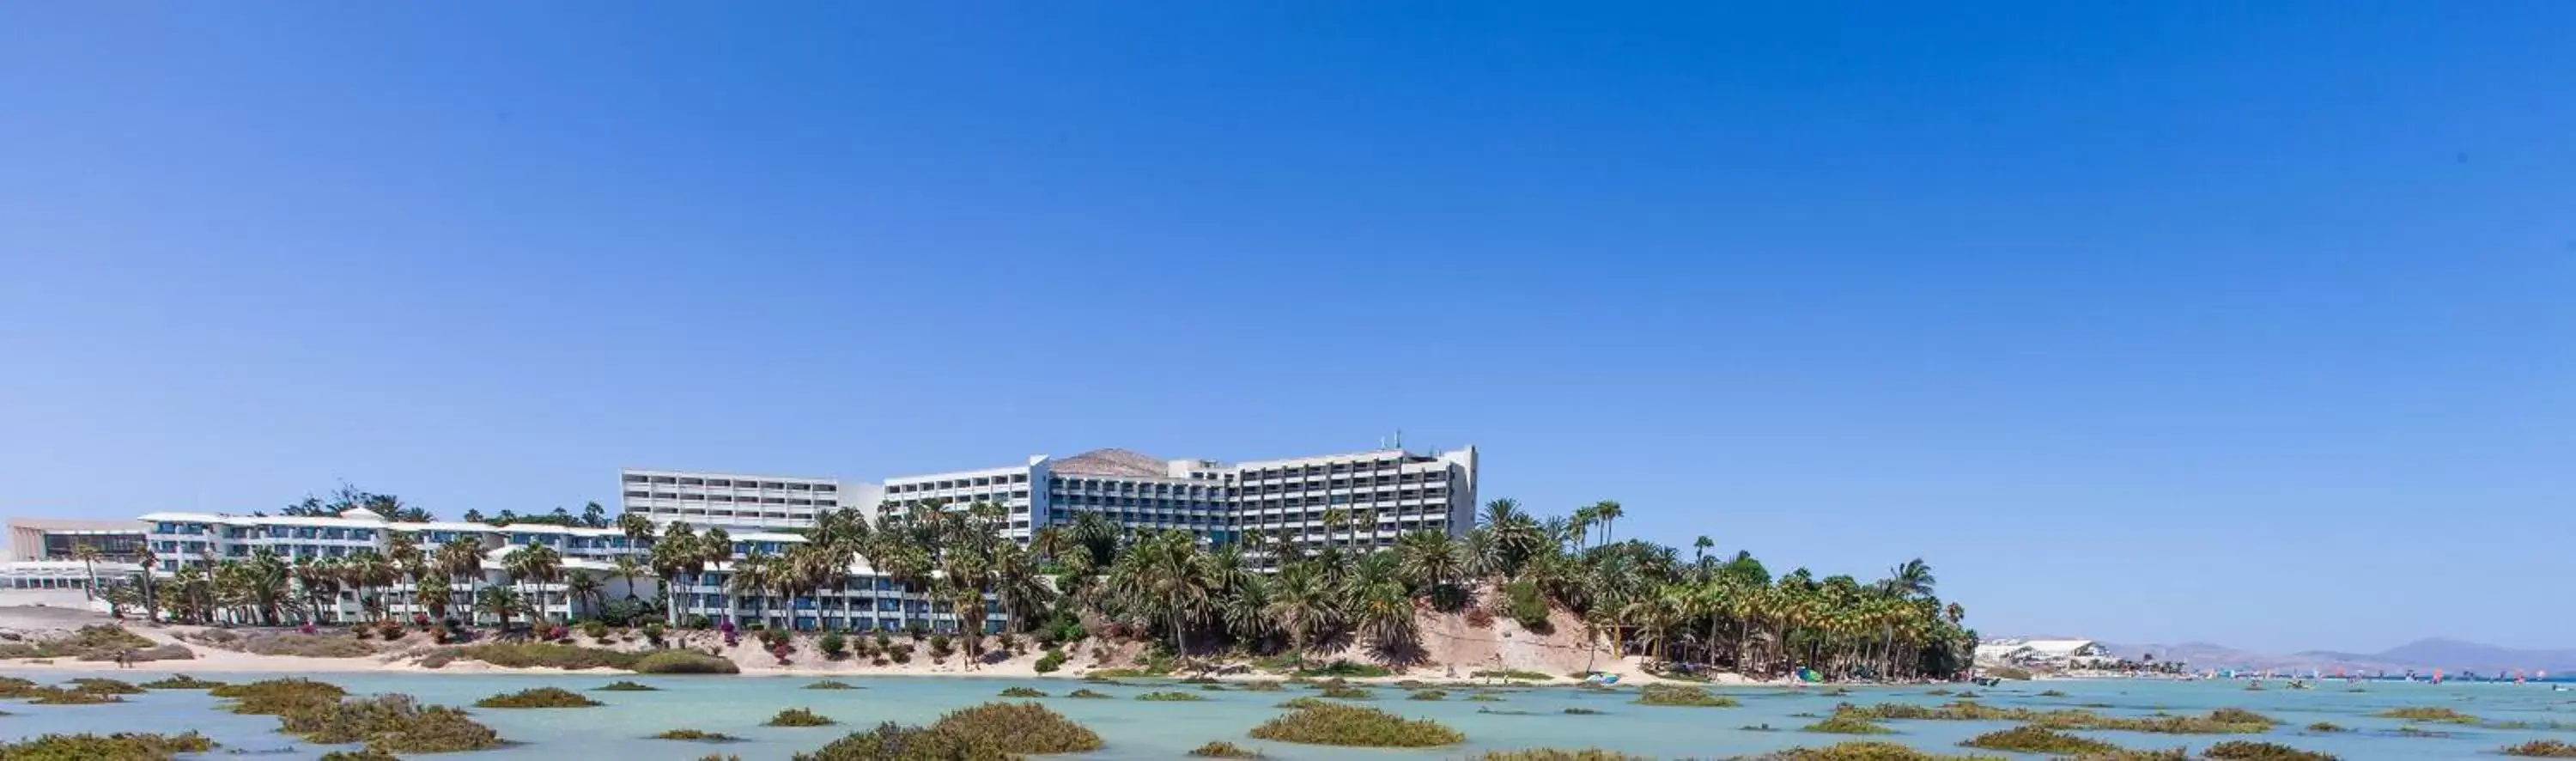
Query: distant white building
{"points": [[736, 501], [1384, 494], [2042, 653]]}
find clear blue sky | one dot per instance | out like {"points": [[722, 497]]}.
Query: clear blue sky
{"points": [[2149, 325]]}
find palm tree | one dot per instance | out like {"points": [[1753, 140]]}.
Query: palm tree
{"points": [[403, 548], [148, 561], [430, 592], [88, 555], [1911, 579], [585, 587], [318, 579], [1301, 604], [679, 552], [1699, 549], [753, 576], [371, 571], [1609, 512], [1020, 587], [462, 558], [1430, 561], [1169, 576], [1334, 519], [627, 567], [502, 603], [535, 563]]}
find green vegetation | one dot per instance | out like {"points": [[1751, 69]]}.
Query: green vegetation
{"points": [[2051, 694], [1334, 724], [1223, 749], [2542, 749], [798, 717], [1681, 695], [1865, 751], [1484, 697], [1262, 685], [831, 684], [2324, 727], [2221, 721], [684, 662], [988, 731], [541, 697], [182, 682], [1170, 696], [1580, 711], [90, 643], [2243, 750], [2443, 715], [1341, 692], [388, 724], [121, 746], [1552, 754], [1022, 692], [1845, 725], [96, 686], [1428, 695], [361, 754], [2037, 740], [1050, 662], [540, 655], [1345, 669], [693, 735], [277, 696], [1514, 674], [626, 686], [1086, 694]]}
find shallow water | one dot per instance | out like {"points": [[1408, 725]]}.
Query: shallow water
{"points": [[1162, 730]]}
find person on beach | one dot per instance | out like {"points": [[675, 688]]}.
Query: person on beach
{"points": [[125, 658]]}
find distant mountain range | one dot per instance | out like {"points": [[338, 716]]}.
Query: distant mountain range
{"points": [[2422, 655]]}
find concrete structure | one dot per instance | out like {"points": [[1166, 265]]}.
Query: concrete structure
{"points": [[54, 539], [735, 501], [1385, 493]]}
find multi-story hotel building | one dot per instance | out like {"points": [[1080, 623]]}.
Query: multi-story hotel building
{"points": [[1385, 493], [868, 600], [735, 501]]}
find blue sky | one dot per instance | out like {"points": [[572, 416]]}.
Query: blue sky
{"points": [[2208, 321]]}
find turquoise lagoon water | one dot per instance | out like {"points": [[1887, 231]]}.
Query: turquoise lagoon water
{"points": [[1163, 730]]}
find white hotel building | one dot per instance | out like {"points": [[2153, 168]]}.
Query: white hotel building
{"points": [[735, 501], [1393, 490]]}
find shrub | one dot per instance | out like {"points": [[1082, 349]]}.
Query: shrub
{"points": [[684, 662], [59, 696], [361, 754], [547, 655], [1680, 695], [1223, 749], [1511, 674], [1170, 696], [102, 640], [182, 682], [1527, 604], [831, 684], [2037, 740], [900, 652], [305, 645], [2443, 715], [940, 648], [277, 696], [695, 622], [1022, 692], [96, 686], [1086, 694], [1341, 692], [693, 735], [1552, 754], [834, 645], [989, 731], [2243, 750], [1864, 751], [1484, 697], [1428, 695], [597, 630], [2324, 727], [626, 686], [121, 746], [388, 724], [1345, 669], [541, 697], [1048, 663], [1579, 711], [798, 717], [1332, 724], [1845, 725], [2542, 749]]}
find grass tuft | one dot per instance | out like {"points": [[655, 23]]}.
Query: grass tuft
{"points": [[541, 697], [2038, 740], [1679, 695], [2245, 750], [798, 717], [1170, 696], [182, 682], [1223, 749], [692, 735], [1353, 726]]}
